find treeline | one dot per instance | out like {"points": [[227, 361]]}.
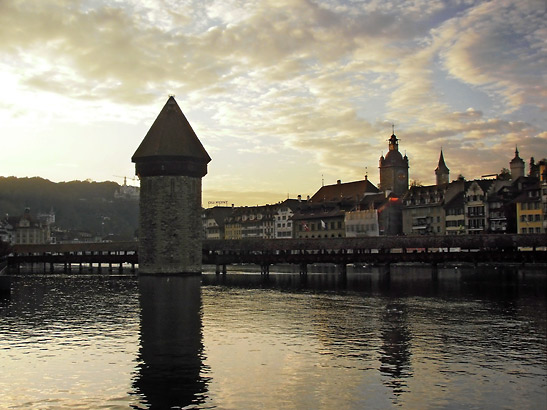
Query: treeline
{"points": [[78, 205]]}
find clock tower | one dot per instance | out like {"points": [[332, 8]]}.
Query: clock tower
{"points": [[394, 169]]}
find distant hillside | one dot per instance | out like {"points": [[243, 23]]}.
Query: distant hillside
{"points": [[78, 205]]}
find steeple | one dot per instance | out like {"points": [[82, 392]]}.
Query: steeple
{"points": [[517, 166], [393, 143], [394, 168], [442, 172]]}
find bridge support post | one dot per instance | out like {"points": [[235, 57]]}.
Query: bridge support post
{"points": [[434, 271], [342, 268], [303, 268], [217, 269], [265, 269]]}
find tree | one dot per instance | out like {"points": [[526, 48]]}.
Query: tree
{"points": [[504, 175]]}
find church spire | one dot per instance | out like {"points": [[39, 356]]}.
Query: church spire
{"points": [[442, 172]]}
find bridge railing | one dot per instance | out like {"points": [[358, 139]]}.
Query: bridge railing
{"points": [[382, 243]]}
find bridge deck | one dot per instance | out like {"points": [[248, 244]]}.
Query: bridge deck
{"points": [[264, 252]]}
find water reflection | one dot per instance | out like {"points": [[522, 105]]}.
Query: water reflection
{"points": [[395, 353], [171, 347]]}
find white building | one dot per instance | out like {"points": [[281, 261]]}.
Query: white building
{"points": [[283, 223]]}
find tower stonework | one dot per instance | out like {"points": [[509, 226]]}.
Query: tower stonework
{"points": [[170, 163], [394, 169]]}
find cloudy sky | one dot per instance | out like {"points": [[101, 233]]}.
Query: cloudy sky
{"points": [[283, 94]]}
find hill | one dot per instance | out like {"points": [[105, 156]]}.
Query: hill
{"points": [[78, 205]]}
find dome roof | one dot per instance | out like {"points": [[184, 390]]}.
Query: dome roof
{"points": [[394, 158]]}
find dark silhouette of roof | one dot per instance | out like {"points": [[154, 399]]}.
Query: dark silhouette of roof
{"points": [[484, 184], [350, 190], [441, 167], [393, 157], [517, 159], [171, 136]]}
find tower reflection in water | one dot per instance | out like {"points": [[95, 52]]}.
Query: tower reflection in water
{"points": [[395, 353], [171, 348]]}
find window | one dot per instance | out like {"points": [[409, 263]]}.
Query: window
{"points": [[524, 230]]}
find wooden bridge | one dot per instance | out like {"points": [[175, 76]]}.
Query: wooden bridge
{"points": [[384, 250]]}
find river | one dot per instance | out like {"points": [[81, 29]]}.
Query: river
{"points": [[462, 338]]}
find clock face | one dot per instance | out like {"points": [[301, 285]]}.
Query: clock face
{"points": [[401, 175]]}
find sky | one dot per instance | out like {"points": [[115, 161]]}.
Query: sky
{"points": [[285, 95]]}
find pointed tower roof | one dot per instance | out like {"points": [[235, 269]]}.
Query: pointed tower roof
{"points": [[517, 159], [171, 135], [171, 147], [441, 167]]}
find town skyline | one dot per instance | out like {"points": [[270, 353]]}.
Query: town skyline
{"points": [[285, 96]]}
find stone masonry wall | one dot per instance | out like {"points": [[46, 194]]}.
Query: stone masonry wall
{"points": [[170, 225]]}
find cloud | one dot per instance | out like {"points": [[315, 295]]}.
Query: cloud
{"points": [[500, 46], [316, 84]]}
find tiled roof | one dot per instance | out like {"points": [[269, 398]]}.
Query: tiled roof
{"points": [[171, 136], [350, 190]]}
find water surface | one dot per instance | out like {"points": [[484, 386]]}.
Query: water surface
{"points": [[459, 339]]}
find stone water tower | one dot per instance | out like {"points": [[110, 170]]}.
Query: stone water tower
{"points": [[170, 163]]}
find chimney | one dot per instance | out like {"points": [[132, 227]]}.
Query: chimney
{"points": [[299, 198]]}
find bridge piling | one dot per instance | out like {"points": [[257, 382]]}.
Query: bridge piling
{"points": [[434, 271], [265, 269]]}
